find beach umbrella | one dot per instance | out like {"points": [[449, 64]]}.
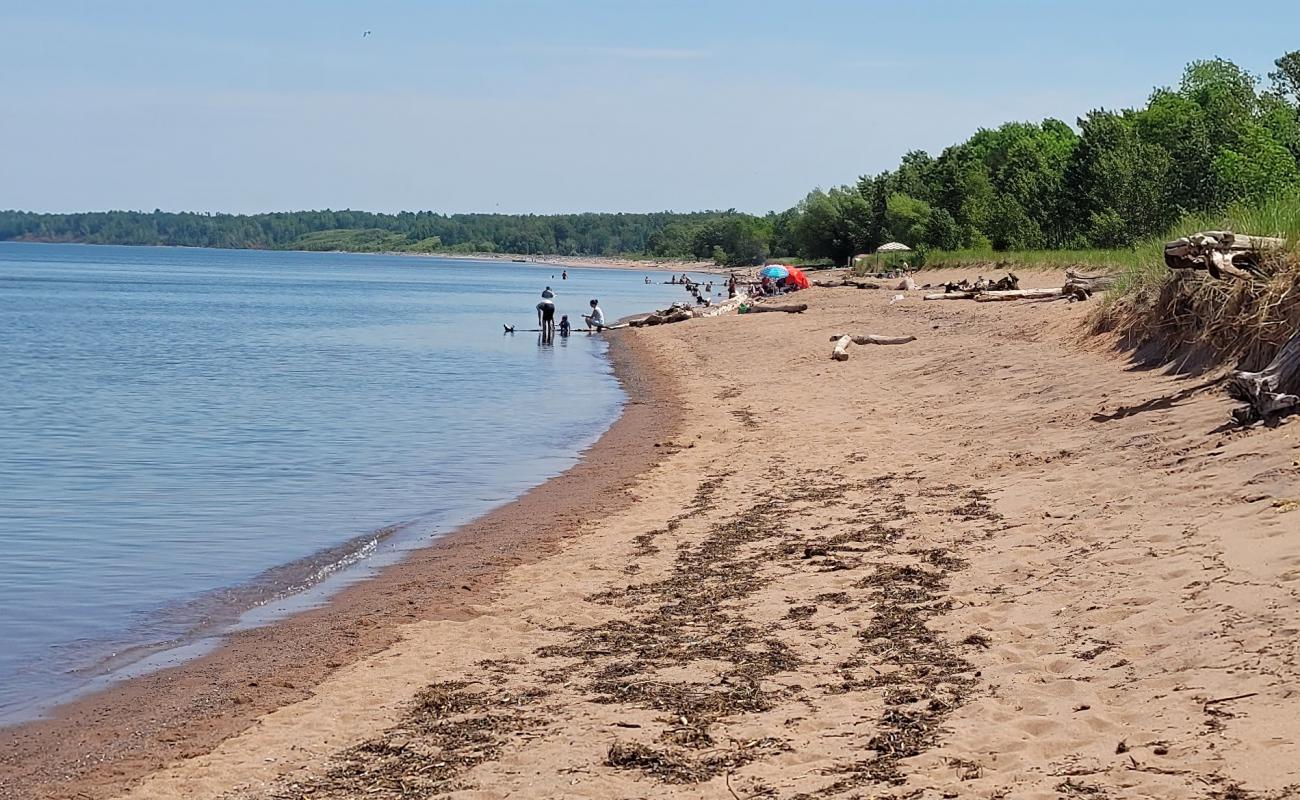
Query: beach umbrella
{"points": [[798, 279], [776, 272]]}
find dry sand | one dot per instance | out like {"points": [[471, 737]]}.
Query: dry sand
{"points": [[999, 561]]}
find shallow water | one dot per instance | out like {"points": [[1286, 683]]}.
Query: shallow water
{"points": [[187, 433]]}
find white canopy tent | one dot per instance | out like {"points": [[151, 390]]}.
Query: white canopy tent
{"points": [[891, 247]]}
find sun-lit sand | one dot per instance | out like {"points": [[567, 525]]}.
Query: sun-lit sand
{"points": [[998, 561]]}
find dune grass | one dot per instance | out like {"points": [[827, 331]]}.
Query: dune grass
{"points": [[1184, 317]]}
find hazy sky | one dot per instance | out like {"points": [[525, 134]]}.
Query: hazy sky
{"points": [[478, 105]]}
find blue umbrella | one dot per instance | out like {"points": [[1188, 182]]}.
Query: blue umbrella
{"points": [[776, 272]]}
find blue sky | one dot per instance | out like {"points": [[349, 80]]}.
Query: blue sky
{"points": [[479, 105]]}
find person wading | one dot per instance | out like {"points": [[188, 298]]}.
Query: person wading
{"points": [[546, 313]]}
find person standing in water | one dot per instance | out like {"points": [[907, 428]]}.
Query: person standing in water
{"points": [[564, 326], [546, 313], [564, 276], [596, 319]]}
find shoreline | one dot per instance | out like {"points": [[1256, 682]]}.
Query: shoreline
{"points": [[834, 579], [99, 744], [577, 262]]}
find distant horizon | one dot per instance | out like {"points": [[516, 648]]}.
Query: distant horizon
{"points": [[6, 210]]}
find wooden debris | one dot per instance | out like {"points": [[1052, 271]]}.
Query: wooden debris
{"points": [[951, 296], [1265, 393], [1018, 294], [1090, 283], [731, 304], [874, 339], [788, 309], [842, 341], [1221, 253]]}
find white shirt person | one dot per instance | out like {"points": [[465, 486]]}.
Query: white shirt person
{"points": [[596, 319]]}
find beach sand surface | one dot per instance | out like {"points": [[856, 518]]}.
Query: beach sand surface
{"points": [[999, 561]]}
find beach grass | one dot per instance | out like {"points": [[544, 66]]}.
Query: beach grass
{"points": [[1179, 316]]}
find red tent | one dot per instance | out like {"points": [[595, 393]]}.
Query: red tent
{"points": [[797, 279]]}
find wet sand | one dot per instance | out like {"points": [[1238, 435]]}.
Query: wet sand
{"points": [[96, 746], [999, 561]]}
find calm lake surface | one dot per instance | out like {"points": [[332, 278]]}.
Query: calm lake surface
{"points": [[186, 434]]}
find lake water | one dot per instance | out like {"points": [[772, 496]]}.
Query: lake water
{"points": [[185, 433]]}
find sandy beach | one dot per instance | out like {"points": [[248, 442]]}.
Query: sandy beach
{"points": [[1000, 561]]}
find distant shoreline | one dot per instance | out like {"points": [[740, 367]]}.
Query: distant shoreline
{"points": [[582, 262]]}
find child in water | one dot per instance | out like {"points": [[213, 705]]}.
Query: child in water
{"points": [[564, 325], [596, 319]]}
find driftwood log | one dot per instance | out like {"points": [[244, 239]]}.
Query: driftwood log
{"points": [[841, 350], [730, 304], [662, 318], [1271, 391], [788, 309], [951, 296], [1090, 283], [843, 340], [874, 339], [1221, 253], [1018, 294]]}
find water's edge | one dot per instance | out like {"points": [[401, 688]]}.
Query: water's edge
{"points": [[283, 591]]}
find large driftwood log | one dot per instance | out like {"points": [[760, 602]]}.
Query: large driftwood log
{"points": [[1081, 286], [788, 309], [1221, 253], [1265, 392], [874, 339], [841, 350], [730, 304], [950, 296], [1018, 294]]}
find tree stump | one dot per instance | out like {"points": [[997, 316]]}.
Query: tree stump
{"points": [[1268, 393]]}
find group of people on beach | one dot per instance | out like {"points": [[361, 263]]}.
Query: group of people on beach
{"points": [[546, 316]]}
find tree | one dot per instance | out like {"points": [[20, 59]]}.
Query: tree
{"points": [[1286, 78], [832, 224], [1258, 168]]}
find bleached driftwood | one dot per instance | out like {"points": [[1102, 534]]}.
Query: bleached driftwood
{"points": [[875, 339], [1264, 392], [841, 351], [730, 304], [1090, 283], [1221, 253], [950, 296], [1018, 294], [788, 309]]}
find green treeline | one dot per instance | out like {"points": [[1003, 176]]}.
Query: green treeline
{"points": [[1122, 176], [359, 231], [1216, 140]]}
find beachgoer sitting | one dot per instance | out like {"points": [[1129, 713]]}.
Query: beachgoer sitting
{"points": [[596, 319], [564, 325]]}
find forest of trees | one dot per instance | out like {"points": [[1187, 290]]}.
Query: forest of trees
{"points": [[1220, 137], [423, 231]]}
